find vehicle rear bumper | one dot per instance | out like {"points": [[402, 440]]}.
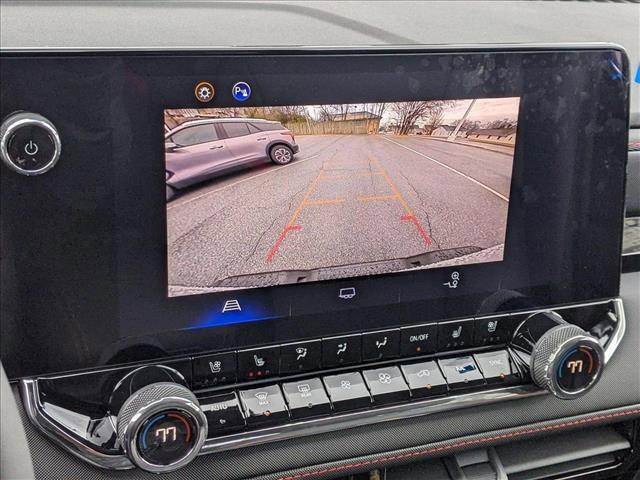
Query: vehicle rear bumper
{"points": [[295, 148]]}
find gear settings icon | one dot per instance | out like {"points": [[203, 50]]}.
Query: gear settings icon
{"points": [[204, 92]]}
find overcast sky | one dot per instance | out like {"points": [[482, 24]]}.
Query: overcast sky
{"points": [[484, 109]]}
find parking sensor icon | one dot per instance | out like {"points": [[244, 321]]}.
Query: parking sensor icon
{"points": [[241, 91]]}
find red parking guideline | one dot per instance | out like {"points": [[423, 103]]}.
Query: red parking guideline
{"points": [[423, 234], [280, 239]]}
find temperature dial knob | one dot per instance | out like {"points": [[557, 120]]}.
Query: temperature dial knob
{"points": [[161, 427], [564, 358]]}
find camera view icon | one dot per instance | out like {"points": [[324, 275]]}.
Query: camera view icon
{"points": [[347, 293]]}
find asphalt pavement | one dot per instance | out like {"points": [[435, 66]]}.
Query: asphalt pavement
{"points": [[345, 200]]}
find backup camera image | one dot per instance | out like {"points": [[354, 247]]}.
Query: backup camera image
{"points": [[264, 196]]}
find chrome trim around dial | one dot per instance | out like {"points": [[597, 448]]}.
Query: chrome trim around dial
{"points": [[62, 435], [19, 120]]}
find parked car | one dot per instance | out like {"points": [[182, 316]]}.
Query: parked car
{"points": [[199, 150]]}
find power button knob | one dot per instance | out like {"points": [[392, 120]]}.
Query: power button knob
{"points": [[29, 143]]}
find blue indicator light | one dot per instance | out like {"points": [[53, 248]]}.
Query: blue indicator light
{"points": [[564, 358], [638, 74], [234, 311], [149, 425]]}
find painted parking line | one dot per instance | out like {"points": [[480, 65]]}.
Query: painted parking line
{"points": [[471, 179], [363, 174], [326, 201], [377, 198], [273, 170]]}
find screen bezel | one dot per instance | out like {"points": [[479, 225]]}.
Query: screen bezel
{"points": [[98, 346]]}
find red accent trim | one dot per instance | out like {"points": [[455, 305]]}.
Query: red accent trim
{"points": [[588, 354], [186, 425], [401, 456], [421, 231], [280, 239]]}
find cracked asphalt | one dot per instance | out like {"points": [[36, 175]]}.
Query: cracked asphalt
{"points": [[344, 200]]}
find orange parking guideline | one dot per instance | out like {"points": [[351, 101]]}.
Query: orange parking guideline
{"points": [[409, 216], [291, 226], [291, 223]]}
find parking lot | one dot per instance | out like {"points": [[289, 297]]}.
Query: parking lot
{"points": [[347, 200]]}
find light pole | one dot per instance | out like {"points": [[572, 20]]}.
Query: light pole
{"points": [[453, 134]]}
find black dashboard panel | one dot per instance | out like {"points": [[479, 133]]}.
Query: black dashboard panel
{"points": [[87, 280]]}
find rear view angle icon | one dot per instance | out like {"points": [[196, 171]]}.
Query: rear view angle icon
{"points": [[347, 293], [231, 306]]}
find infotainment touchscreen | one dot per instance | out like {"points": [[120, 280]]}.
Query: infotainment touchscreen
{"points": [[263, 196], [218, 201]]}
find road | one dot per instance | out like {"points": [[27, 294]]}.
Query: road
{"points": [[344, 200]]}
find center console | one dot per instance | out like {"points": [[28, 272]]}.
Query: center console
{"points": [[344, 238]]}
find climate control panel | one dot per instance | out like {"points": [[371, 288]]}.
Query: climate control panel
{"points": [[164, 415]]}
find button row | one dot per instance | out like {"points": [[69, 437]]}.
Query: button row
{"points": [[307, 356], [312, 397]]}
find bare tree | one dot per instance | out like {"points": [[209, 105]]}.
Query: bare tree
{"points": [[408, 113], [470, 125], [434, 119]]}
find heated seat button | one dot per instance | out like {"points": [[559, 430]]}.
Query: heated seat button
{"points": [[492, 330], [223, 413], [347, 391], [496, 367], [419, 340], [306, 398], [386, 385], [461, 372], [425, 379], [258, 363], [455, 335], [215, 369], [380, 345], [264, 405], [300, 357], [338, 351]]}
